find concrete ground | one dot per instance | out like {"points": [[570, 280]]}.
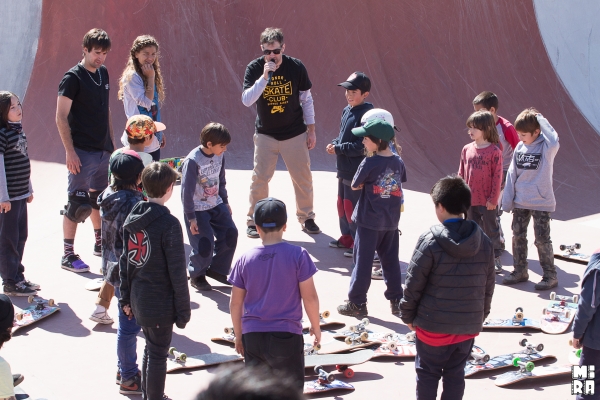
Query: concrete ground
{"points": [[67, 356]]}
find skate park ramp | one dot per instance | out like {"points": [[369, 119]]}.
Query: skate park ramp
{"points": [[427, 61]]}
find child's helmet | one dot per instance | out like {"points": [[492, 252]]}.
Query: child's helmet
{"points": [[378, 113]]}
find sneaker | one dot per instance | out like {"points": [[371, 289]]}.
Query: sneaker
{"points": [[498, 265], [251, 232], [18, 289], [118, 382], [310, 226], [516, 277], [353, 310], [395, 306], [30, 285], [218, 277], [200, 283], [101, 317], [74, 263], [17, 379], [546, 283], [131, 386], [377, 274], [349, 253], [98, 250], [165, 397], [336, 244], [376, 259]]}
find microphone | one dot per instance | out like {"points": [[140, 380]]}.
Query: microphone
{"points": [[270, 72]]}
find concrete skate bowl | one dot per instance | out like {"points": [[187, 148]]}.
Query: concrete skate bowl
{"points": [[427, 60]]}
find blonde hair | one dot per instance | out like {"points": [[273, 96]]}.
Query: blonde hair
{"points": [[133, 65]]}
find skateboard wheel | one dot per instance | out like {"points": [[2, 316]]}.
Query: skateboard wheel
{"points": [[515, 361], [317, 347], [317, 368], [544, 311], [486, 358], [349, 373], [392, 346], [365, 321], [330, 377], [228, 330], [568, 314], [19, 316], [352, 328], [529, 366], [325, 314], [51, 303], [563, 247], [30, 299], [539, 347], [364, 336], [183, 357], [519, 315], [552, 295], [172, 350], [578, 353], [577, 245], [570, 342], [523, 342], [519, 309], [348, 340], [576, 298]]}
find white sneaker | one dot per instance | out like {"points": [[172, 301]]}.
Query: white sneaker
{"points": [[377, 274], [101, 317]]}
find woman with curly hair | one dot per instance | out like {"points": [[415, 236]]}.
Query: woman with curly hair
{"points": [[141, 88]]}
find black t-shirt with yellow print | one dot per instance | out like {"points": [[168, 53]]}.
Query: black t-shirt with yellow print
{"points": [[279, 113]]}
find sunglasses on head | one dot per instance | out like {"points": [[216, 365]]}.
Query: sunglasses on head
{"points": [[275, 51]]}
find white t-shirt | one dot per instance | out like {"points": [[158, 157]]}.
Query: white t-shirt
{"points": [[133, 96], [6, 380]]}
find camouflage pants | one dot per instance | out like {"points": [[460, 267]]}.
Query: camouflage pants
{"points": [[541, 229]]}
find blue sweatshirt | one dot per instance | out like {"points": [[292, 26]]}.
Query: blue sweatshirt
{"points": [[348, 147]]}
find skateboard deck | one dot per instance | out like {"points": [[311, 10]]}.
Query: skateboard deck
{"points": [[173, 162], [317, 387], [39, 309], [182, 361], [511, 377], [570, 253], [324, 322], [502, 361], [558, 316], [518, 321], [340, 361], [337, 346], [94, 284]]}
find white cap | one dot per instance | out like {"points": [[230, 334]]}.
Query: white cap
{"points": [[378, 113]]}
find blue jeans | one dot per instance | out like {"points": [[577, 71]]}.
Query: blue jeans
{"points": [[347, 199], [127, 343], [213, 247], [386, 243]]}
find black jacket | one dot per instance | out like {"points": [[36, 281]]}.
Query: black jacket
{"points": [[153, 269], [348, 147], [587, 319], [450, 280]]}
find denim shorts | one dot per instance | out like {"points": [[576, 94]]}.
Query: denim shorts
{"points": [[93, 172]]}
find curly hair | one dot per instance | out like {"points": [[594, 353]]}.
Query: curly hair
{"points": [[133, 65]]}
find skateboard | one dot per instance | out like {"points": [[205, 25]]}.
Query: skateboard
{"points": [[346, 346], [558, 315], [228, 337], [569, 253], [94, 284], [175, 163], [340, 361], [324, 322], [318, 386], [182, 361], [518, 321], [527, 370], [392, 344], [531, 353], [40, 310]]}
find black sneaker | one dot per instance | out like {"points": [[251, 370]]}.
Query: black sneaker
{"points": [[310, 227], [18, 289], [98, 250], [546, 283], [251, 232], [218, 277], [131, 386], [118, 382], [336, 244], [353, 310], [200, 283], [17, 379], [30, 285], [349, 253], [74, 263], [395, 306]]}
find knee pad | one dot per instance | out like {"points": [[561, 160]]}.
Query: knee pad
{"points": [[78, 207], [94, 199]]}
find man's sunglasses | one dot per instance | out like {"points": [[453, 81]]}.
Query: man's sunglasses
{"points": [[267, 52]]}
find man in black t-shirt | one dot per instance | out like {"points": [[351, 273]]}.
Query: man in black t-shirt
{"points": [[83, 121], [285, 124]]}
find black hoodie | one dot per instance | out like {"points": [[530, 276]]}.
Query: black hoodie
{"points": [[152, 267], [450, 280]]}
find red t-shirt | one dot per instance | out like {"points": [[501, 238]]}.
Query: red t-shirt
{"points": [[482, 170], [441, 339]]}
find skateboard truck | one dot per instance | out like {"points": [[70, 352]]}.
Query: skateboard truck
{"points": [[531, 348], [311, 350], [323, 377], [179, 357], [518, 317], [564, 299], [357, 338], [524, 366], [361, 326], [570, 250], [40, 302], [480, 358]]}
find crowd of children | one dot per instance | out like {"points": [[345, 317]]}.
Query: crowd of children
{"points": [[504, 168]]}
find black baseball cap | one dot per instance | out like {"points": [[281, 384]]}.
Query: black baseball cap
{"points": [[270, 213], [357, 81], [126, 165], [377, 127]]}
